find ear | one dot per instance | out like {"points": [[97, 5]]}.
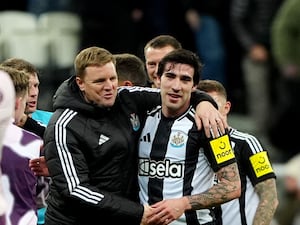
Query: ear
{"points": [[18, 103], [127, 83], [227, 107], [80, 83]]}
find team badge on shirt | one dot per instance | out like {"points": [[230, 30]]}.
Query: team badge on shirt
{"points": [[222, 149], [177, 140], [135, 122], [261, 164]]}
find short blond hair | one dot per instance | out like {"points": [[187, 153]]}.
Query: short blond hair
{"points": [[92, 56]]}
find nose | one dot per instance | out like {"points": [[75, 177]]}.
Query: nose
{"points": [[176, 85], [33, 91], [108, 84]]}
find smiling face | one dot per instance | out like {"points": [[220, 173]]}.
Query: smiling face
{"points": [[153, 56], [176, 84], [99, 84]]}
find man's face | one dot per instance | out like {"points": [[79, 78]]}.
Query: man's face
{"points": [[153, 56], [33, 94], [99, 85], [176, 86]]}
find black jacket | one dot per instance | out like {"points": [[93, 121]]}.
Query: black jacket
{"points": [[92, 158]]}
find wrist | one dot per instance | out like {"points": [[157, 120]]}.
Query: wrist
{"points": [[187, 203]]}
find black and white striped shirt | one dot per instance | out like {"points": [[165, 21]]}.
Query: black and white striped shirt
{"points": [[174, 161], [254, 167]]}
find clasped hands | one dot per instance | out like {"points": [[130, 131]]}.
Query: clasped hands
{"points": [[165, 211]]}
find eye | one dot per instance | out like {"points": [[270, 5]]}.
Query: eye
{"points": [[151, 65], [186, 78], [170, 75], [113, 78], [99, 81]]}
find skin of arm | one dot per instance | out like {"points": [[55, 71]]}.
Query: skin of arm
{"points": [[268, 202], [228, 188]]}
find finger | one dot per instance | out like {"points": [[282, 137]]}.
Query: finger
{"points": [[167, 221], [156, 218], [207, 127], [198, 122], [214, 131], [222, 124], [34, 160], [221, 129]]}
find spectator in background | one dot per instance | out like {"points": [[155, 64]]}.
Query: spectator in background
{"points": [[289, 193], [158, 23], [285, 37], [204, 18], [258, 200], [19, 146], [166, 17], [286, 50], [117, 19], [7, 104], [251, 21], [131, 70], [38, 7], [154, 51]]}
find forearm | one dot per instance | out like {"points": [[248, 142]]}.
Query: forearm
{"points": [[228, 188], [268, 202]]}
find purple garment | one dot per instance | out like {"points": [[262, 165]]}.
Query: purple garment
{"points": [[19, 182]]}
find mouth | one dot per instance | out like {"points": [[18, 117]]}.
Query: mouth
{"points": [[31, 104], [108, 96], [174, 97]]}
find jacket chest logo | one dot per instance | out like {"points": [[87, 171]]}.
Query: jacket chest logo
{"points": [[103, 139]]}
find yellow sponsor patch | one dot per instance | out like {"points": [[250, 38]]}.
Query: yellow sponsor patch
{"points": [[222, 149], [261, 164]]}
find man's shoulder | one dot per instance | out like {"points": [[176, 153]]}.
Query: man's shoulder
{"points": [[242, 136], [14, 132], [17, 139], [246, 142]]}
